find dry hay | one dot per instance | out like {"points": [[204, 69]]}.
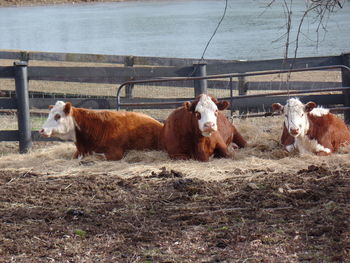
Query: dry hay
{"points": [[264, 156]]}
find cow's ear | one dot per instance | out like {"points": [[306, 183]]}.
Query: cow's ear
{"points": [[222, 104], [277, 107], [50, 107], [187, 105], [67, 108], [309, 106]]}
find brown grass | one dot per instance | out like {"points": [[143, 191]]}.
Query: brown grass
{"points": [[264, 153]]}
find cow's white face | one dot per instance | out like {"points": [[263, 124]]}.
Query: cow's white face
{"points": [[205, 109], [296, 118], [206, 112], [59, 123]]}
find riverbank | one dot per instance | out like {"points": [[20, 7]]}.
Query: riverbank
{"points": [[6, 3]]}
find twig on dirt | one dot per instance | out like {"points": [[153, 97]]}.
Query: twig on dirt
{"points": [[225, 210], [12, 179], [40, 239], [26, 173], [29, 172], [67, 186], [245, 260]]}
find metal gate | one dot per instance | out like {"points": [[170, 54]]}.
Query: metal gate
{"points": [[243, 103]]}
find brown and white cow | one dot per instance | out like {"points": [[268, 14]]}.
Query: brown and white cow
{"points": [[198, 130], [102, 131], [311, 129]]}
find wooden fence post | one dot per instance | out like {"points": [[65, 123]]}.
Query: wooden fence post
{"points": [[242, 90], [23, 117], [345, 75], [200, 70], [129, 62], [24, 56], [242, 86]]}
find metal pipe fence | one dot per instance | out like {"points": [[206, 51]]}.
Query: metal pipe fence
{"points": [[157, 104]]}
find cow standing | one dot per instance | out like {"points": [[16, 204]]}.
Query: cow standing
{"points": [[311, 129], [102, 131], [198, 130]]}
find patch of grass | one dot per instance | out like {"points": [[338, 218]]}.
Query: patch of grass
{"points": [[79, 232]]}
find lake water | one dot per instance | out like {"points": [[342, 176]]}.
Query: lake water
{"points": [[170, 29]]}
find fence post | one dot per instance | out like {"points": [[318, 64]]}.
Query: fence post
{"points": [[242, 90], [129, 62], [200, 70], [345, 76], [24, 129], [24, 56], [242, 86]]}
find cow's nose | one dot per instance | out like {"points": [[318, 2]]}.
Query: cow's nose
{"points": [[209, 125], [42, 133], [294, 131]]}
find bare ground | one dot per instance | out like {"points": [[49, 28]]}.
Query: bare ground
{"points": [[168, 217]]}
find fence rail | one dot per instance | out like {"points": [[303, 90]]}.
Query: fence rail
{"points": [[154, 66], [132, 70], [237, 105]]}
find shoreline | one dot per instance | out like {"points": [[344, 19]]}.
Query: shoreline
{"points": [[18, 3]]}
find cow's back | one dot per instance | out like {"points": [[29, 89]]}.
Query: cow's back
{"points": [[140, 130], [102, 130]]}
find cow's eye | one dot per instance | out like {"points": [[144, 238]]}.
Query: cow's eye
{"points": [[57, 117], [198, 115]]}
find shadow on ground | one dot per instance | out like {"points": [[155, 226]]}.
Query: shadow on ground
{"points": [[168, 217]]}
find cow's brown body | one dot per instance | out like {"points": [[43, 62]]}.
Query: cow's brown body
{"points": [[229, 132], [182, 139], [112, 133]]}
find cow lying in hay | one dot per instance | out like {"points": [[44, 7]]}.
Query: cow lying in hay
{"points": [[311, 130], [101, 131], [198, 130]]}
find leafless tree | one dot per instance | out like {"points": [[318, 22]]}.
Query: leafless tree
{"points": [[320, 10]]}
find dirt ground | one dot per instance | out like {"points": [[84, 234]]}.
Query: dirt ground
{"points": [[164, 217], [147, 208]]}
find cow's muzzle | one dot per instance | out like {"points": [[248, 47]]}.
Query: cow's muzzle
{"points": [[209, 127], [294, 131], [43, 133]]}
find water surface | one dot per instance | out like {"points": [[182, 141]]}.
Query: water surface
{"points": [[169, 29]]}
